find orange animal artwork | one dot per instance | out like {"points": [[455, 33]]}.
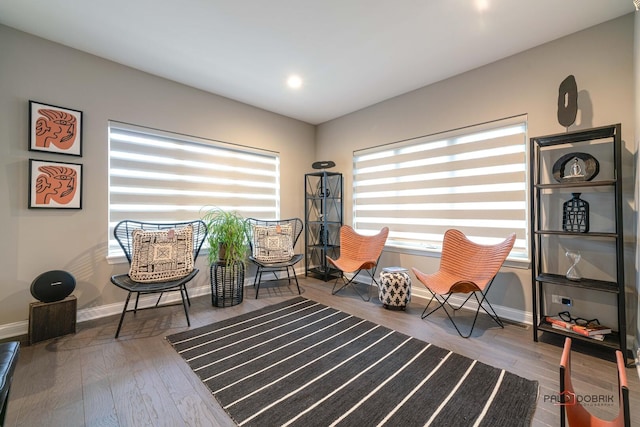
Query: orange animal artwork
{"points": [[55, 184], [55, 127]]}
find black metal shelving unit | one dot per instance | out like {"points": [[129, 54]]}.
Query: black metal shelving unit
{"points": [[323, 219], [546, 226]]}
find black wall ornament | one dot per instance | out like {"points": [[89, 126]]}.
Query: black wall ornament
{"points": [[568, 101]]}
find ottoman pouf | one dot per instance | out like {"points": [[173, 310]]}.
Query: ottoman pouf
{"points": [[395, 288]]}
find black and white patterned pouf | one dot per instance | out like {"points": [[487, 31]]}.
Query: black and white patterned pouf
{"points": [[395, 288]]}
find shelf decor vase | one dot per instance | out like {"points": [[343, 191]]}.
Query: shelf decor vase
{"points": [[572, 273], [575, 214]]}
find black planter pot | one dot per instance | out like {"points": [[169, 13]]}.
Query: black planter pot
{"points": [[227, 284]]}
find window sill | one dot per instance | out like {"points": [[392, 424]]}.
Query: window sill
{"points": [[523, 264]]}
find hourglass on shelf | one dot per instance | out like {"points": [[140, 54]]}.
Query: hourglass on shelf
{"points": [[574, 257]]}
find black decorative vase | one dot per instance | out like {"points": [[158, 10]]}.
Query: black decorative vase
{"points": [[575, 214]]}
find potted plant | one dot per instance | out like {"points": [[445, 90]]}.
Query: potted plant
{"points": [[228, 242], [227, 236]]}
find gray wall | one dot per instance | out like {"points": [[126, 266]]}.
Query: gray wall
{"points": [[636, 72], [600, 58], [38, 240]]}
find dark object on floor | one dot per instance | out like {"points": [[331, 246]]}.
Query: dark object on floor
{"points": [[52, 319], [162, 258], [227, 283], [8, 360], [465, 268]]}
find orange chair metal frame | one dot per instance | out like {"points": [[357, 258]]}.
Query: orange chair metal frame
{"points": [[465, 268], [358, 253], [572, 411]]}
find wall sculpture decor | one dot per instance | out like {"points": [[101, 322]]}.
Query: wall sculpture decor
{"points": [[55, 129], [568, 101], [55, 185]]}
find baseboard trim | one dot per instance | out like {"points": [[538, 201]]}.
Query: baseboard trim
{"points": [[17, 329], [21, 328]]}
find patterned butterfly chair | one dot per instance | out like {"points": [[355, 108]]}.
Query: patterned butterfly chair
{"points": [[272, 248], [358, 253], [465, 268], [161, 258], [572, 411]]}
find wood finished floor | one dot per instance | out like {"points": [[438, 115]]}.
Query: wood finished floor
{"points": [[92, 379]]}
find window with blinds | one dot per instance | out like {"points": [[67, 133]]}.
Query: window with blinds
{"points": [[472, 179], [162, 177]]}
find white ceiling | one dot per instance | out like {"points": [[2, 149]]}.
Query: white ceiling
{"points": [[349, 53]]}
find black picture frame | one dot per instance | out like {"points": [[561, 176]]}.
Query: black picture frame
{"points": [[55, 185], [55, 129]]}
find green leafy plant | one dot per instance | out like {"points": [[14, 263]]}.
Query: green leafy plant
{"points": [[227, 235]]}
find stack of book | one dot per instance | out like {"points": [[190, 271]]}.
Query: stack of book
{"points": [[591, 330]]}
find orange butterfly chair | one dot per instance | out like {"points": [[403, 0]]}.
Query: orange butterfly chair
{"points": [[358, 253], [576, 414], [465, 268]]}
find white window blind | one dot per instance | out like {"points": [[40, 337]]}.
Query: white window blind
{"points": [[472, 179], [163, 177]]}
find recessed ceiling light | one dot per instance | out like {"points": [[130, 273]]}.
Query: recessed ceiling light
{"points": [[482, 5], [294, 82]]}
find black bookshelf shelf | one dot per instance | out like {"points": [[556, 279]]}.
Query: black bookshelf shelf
{"points": [[547, 243], [323, 219]]}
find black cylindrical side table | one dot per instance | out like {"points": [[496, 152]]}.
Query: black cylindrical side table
{"points": [[227, 284]]}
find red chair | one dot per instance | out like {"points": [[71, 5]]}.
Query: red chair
{"points": [[572, 411]]}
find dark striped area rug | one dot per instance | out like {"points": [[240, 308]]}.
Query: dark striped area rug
{"points": [[303, 363]]}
